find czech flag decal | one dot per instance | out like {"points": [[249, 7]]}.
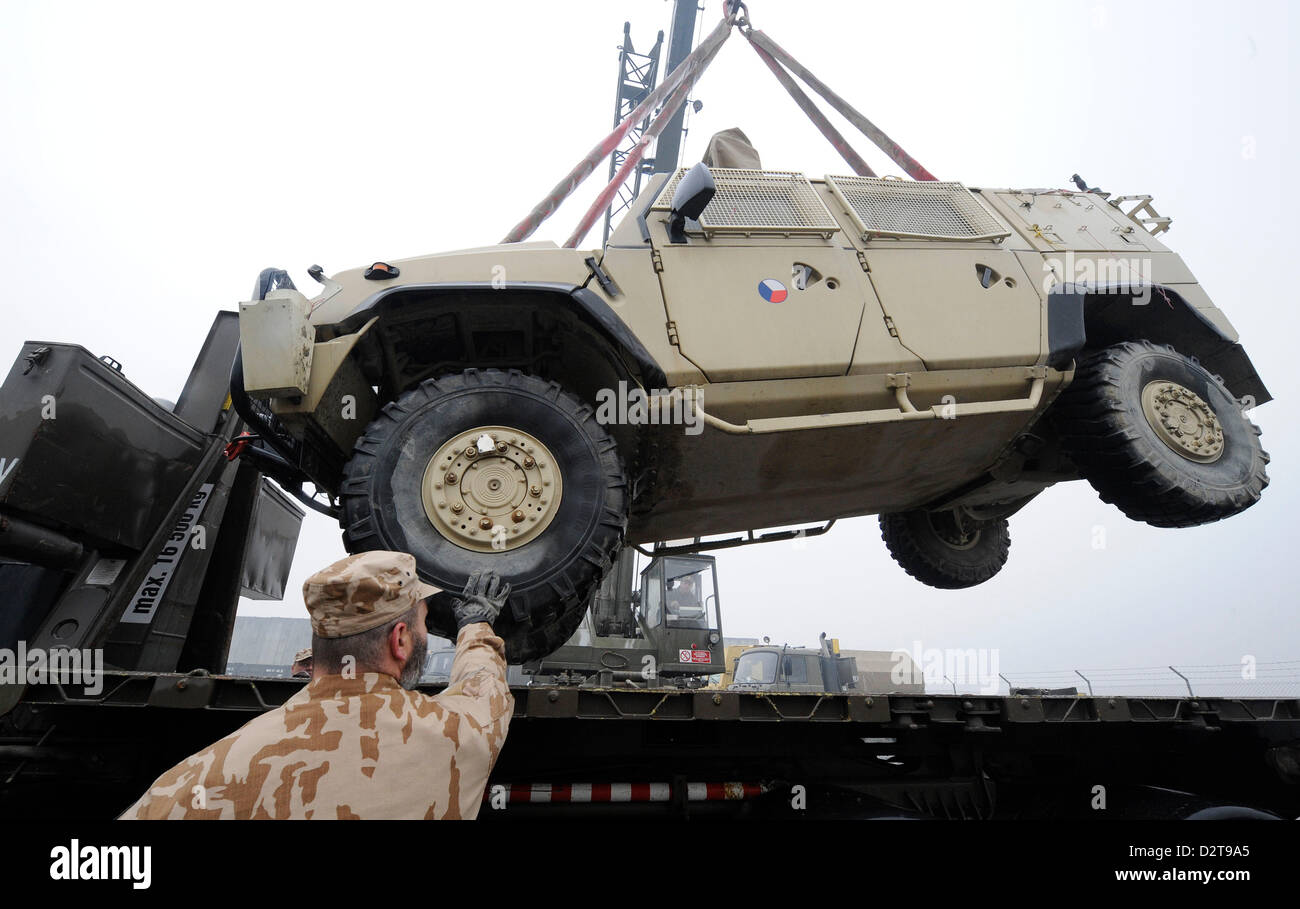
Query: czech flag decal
{"points": [[772, 290]]}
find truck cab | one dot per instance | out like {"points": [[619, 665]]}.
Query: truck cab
{"points": [[659, 626], [826, 670]]}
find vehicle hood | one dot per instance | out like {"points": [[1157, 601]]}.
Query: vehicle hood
{"points": [[501, 266]]}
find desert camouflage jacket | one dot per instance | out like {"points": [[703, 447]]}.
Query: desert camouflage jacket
{"points": [[354, 748]]}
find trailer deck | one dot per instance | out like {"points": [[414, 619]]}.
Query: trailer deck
{"points": [[673, 752]]}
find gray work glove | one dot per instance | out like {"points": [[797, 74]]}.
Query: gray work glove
{"points": [[482, 600]]}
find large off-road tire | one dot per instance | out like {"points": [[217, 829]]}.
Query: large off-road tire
{"points": [[1159, 437], [941, 550], [552, 549]]}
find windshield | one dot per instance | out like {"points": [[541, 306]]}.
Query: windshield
{"points": [[757, 668], [438, 665], [689, 593]]}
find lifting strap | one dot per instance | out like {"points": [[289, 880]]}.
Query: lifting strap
{"points": [[671, 95], [686, 73], [910, 165], [860, 167], [632, 160]]}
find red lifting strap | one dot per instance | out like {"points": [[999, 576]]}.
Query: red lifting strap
{"points": [[633, 158], [806, 104], [687, 72], [675, 90], [910, 165]]}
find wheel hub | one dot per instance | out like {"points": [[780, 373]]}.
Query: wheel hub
{"points": [[952, 530], [491, 489], [1183, 421]]}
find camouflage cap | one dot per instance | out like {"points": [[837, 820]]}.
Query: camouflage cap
{"points": [[304, 654], [362, 592]]}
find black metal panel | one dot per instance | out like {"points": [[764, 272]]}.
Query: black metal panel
{"points": [[207, 639], [1065, 329], [272, 541], [29, 592], [89, 453], [204, 396]]}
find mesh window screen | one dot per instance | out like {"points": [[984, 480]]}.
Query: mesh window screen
{"points": [[925, 210], [759, 202]]}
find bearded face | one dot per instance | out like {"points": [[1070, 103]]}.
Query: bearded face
{"points": [[414, 667]]}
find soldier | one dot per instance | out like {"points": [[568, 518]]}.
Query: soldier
{"points": [[301, 668], [356, 742]]}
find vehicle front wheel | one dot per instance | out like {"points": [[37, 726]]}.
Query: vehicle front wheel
{"points": [[1159, 437], [499, 471], [946, 549]]}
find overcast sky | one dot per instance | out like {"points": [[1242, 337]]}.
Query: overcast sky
{"points": [[155, 157]]}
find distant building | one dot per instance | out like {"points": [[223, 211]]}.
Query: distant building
{"points": [[264, 646]]}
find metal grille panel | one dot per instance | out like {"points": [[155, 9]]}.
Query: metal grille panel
{"points": [[921, 210], [759, 202]]}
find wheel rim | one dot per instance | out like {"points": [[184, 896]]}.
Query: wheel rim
{"points": [[1183, 421], [491, 489], [951, 531]]}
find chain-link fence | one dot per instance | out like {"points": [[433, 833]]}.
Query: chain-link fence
{"points": [[1244, 679]]}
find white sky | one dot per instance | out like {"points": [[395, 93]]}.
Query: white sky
{"points": [[154, 157]]}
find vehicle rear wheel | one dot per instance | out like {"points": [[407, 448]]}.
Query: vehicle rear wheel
{"points": [[946, 549], [493, 470], [1159, 437]]}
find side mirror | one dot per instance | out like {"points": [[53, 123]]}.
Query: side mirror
{"points": [[693, 194]]}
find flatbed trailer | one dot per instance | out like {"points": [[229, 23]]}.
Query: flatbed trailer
{"points": [[125, 532], [589, 752]]}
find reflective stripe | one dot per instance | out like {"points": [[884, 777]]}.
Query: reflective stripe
{"points": [[583, 793]]}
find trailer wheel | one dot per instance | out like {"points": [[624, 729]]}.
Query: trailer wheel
{"points": [[1159, 437], [493, 470], [946, 549]]}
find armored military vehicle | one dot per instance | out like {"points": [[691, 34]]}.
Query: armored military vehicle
{"points": [[754, 349]]}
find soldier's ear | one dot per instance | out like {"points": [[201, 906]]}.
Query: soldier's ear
{"points": [[395, 638]]}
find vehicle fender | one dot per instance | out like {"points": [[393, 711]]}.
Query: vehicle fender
{"points": [[1084, 317], [586, 303]]}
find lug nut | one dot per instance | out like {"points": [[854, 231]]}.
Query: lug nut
{"points": [[471, 452], [451, 476], [529, 463], [457, 508], [485, 523], [518, 515], [534, 491], [501, 447]]}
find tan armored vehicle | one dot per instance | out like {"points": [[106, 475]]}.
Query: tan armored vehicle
{"points": [[754, 349]]}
